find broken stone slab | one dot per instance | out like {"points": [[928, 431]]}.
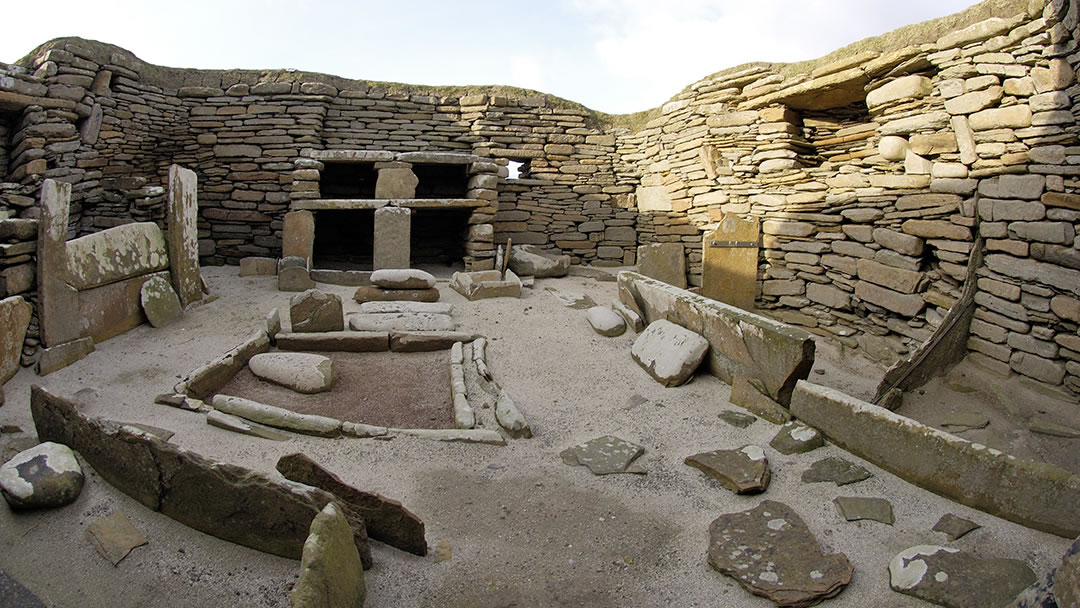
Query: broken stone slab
{"points": [[336, 341], [114, 537], [837, 470], [258, 267], [854, 508], [62, 355], [245, 427], [740, 343], [367, 294], [306, 373], [331, 573], [485, 436], [408, 321], [532, 261], [435, 308], [112, 255], [510, 417], [668, 352], [605, 455], [483, 284], [740, 420], [1034, 494], [750, 394], [770, 552], [15, 315], [294, 279], [572, 299], [605, 321], [315, 311], [954, 527], [427, 341], [796, 438], [957, 579], [386, 519], [45, 476], [159, 301], [220, 499], [956, 422], [632, 319], [402, 278], [308, 424], [743, 471], [203, 381]]}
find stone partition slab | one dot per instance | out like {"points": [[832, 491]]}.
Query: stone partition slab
{"points": [[184, 234], [57, 300], [14, 319], [210, 377], [740, 343], [113, 309], [1034, 494], [116, 254], [224, 500]]}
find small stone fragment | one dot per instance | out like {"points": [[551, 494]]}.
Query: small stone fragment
{"points": [[743, 471], [796, 438], [950, 577], [954, 527], [958, 422], [854, 508], [606, 321], [114, 537], [605, 455], [737, 419], [237, 424], [44, 476], [837, 470], [443, 552]]}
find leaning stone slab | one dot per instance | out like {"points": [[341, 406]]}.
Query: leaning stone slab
{"points": [[159, 301], [203, 381], [331, 573], [510, 417], [367, 294], [426, 341], [485, 436], [743, 471], [435, 308], [42, 477], [630, 317], [740, 343], [770, 552], [402, 278], [664, 262], [15, 315], [669, 353], [315, 311], [294, 279], [336, 341], [605, 321], [220, 499], [62, 355], [308, 424], [394, 321], [245, 427], [116, 254], [605, 456], [957, 579], [854, 508], [532, 261], [386, 519], [1036, 495]]}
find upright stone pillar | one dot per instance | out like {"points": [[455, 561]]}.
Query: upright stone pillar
{"points": [[184, 235], [298, 239], [58, 302], [393, 231], [731, 262]]}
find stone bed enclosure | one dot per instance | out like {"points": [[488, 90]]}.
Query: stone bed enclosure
{"points": [[874, 177]]}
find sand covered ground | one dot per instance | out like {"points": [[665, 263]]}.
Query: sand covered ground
{"points": [[524, 528]]}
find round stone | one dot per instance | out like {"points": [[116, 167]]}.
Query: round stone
{"points": [[605, 321], [302, 372], [46, 475], [893, 147]]}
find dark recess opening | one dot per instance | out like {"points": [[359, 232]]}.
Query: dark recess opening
{"points": [[438, 236], [7, 127], [344, 240], [441, 181], [348, 180]]}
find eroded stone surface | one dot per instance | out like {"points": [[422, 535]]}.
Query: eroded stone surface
{"points": [[301, 372], [743, 471], [605, 455], [415, 321], [331, 574], [957, 579], [837, 470], [605, 321], [740, 420], [114, 537], [44, 476], [796, 438], [532, 261], [159, 301], [402, 278], [315, 311], [669, 352], [770, 552]]}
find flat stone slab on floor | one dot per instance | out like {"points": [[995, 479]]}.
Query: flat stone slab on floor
{"points": [[796, 438], [572, 299], [837, 470], [44, 476], [854, 508], [605, 455], [403, 321], [743, 471], [438, 308], [114, 537], [668, 352], [378, 294], [737, 419], [954, 527], [957, 579], [406, 278], [302, 372], [770, 552]]}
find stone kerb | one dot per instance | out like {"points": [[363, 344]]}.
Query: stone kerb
{"points": [[740, 343]]}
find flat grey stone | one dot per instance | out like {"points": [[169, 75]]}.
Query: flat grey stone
{"points": [[837, 470], [160, 302], [770, 552], [954, 527], [737, 419], [302, 372], [1049, 427], [606, 321], [964, 421], [391, 321], [44, 476], [957, 579], [668, 352], [114, 537], [605, 455], [402, 278], [796, 438], [854, 508], [743, 471]]}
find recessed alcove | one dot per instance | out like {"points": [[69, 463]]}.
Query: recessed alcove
{"points": [[439, 235], [344, 239], [348, 180], [441, 180]]}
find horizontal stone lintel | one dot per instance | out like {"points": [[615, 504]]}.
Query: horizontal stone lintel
{"points": [[371, 156], [378, 203]]}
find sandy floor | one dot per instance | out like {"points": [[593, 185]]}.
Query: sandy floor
{"points": [[525, 529]]}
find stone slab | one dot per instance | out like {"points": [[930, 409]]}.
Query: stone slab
{"points": [[855, 508], [58, 302], [605, 455], [404, 321], [315, 311], [281, 418], [159, 302], [438, 308], [740, 343], [366, 294], [664, 262], [298, 235], [743, 471], [669, 352], [335, 341], [253, 266], [393, 230], [532, 261], [15, 315], [206, 379], [402, 278], [747, 394], [1037, 495], [483, 284], [110, 310], [958, 579], [60, 356], [114, 537], [837, 470], [426, 341], [116, 254], [331, 573], [729, 274], [183, 244], [302, 372]]}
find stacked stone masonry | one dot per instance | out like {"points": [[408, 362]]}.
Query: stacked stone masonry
{"points": [[874, 176]]}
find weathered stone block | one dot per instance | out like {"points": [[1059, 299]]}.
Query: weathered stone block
{"points": [[116, 254], [664, 262], [14, 319], [183, 246], [396, 182], [907, 87], [298, 235], [907, 305], [393, 230]]}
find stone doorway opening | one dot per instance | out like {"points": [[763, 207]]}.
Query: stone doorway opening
{"points": [[7, 127], [439, 236], [344, 239]]}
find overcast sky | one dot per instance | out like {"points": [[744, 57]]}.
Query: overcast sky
{"points": [[615, 56]]}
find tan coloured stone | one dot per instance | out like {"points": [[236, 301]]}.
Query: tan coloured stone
{"points": [[58, 302], [14, 319], [1011, 117], [933, 144], [906, 305], [396, 182], [907, 87], [893, 147], [664, 262], [183, 246], [393, 230], [298, 235], [936, 229], [331, 573], [729, 273], [975, 101], [116, 254], [897, 279]]}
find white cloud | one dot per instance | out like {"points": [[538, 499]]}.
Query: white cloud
{"points": [[526, 71]]}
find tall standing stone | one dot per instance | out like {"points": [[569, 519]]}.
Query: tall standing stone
{"points": [[393, 231], [14, 319], [58, 302], [298, 238], [731, 262], [184, 234], [664, 262]]}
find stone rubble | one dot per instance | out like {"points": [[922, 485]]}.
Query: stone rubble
{"points": [[743, 471]]}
